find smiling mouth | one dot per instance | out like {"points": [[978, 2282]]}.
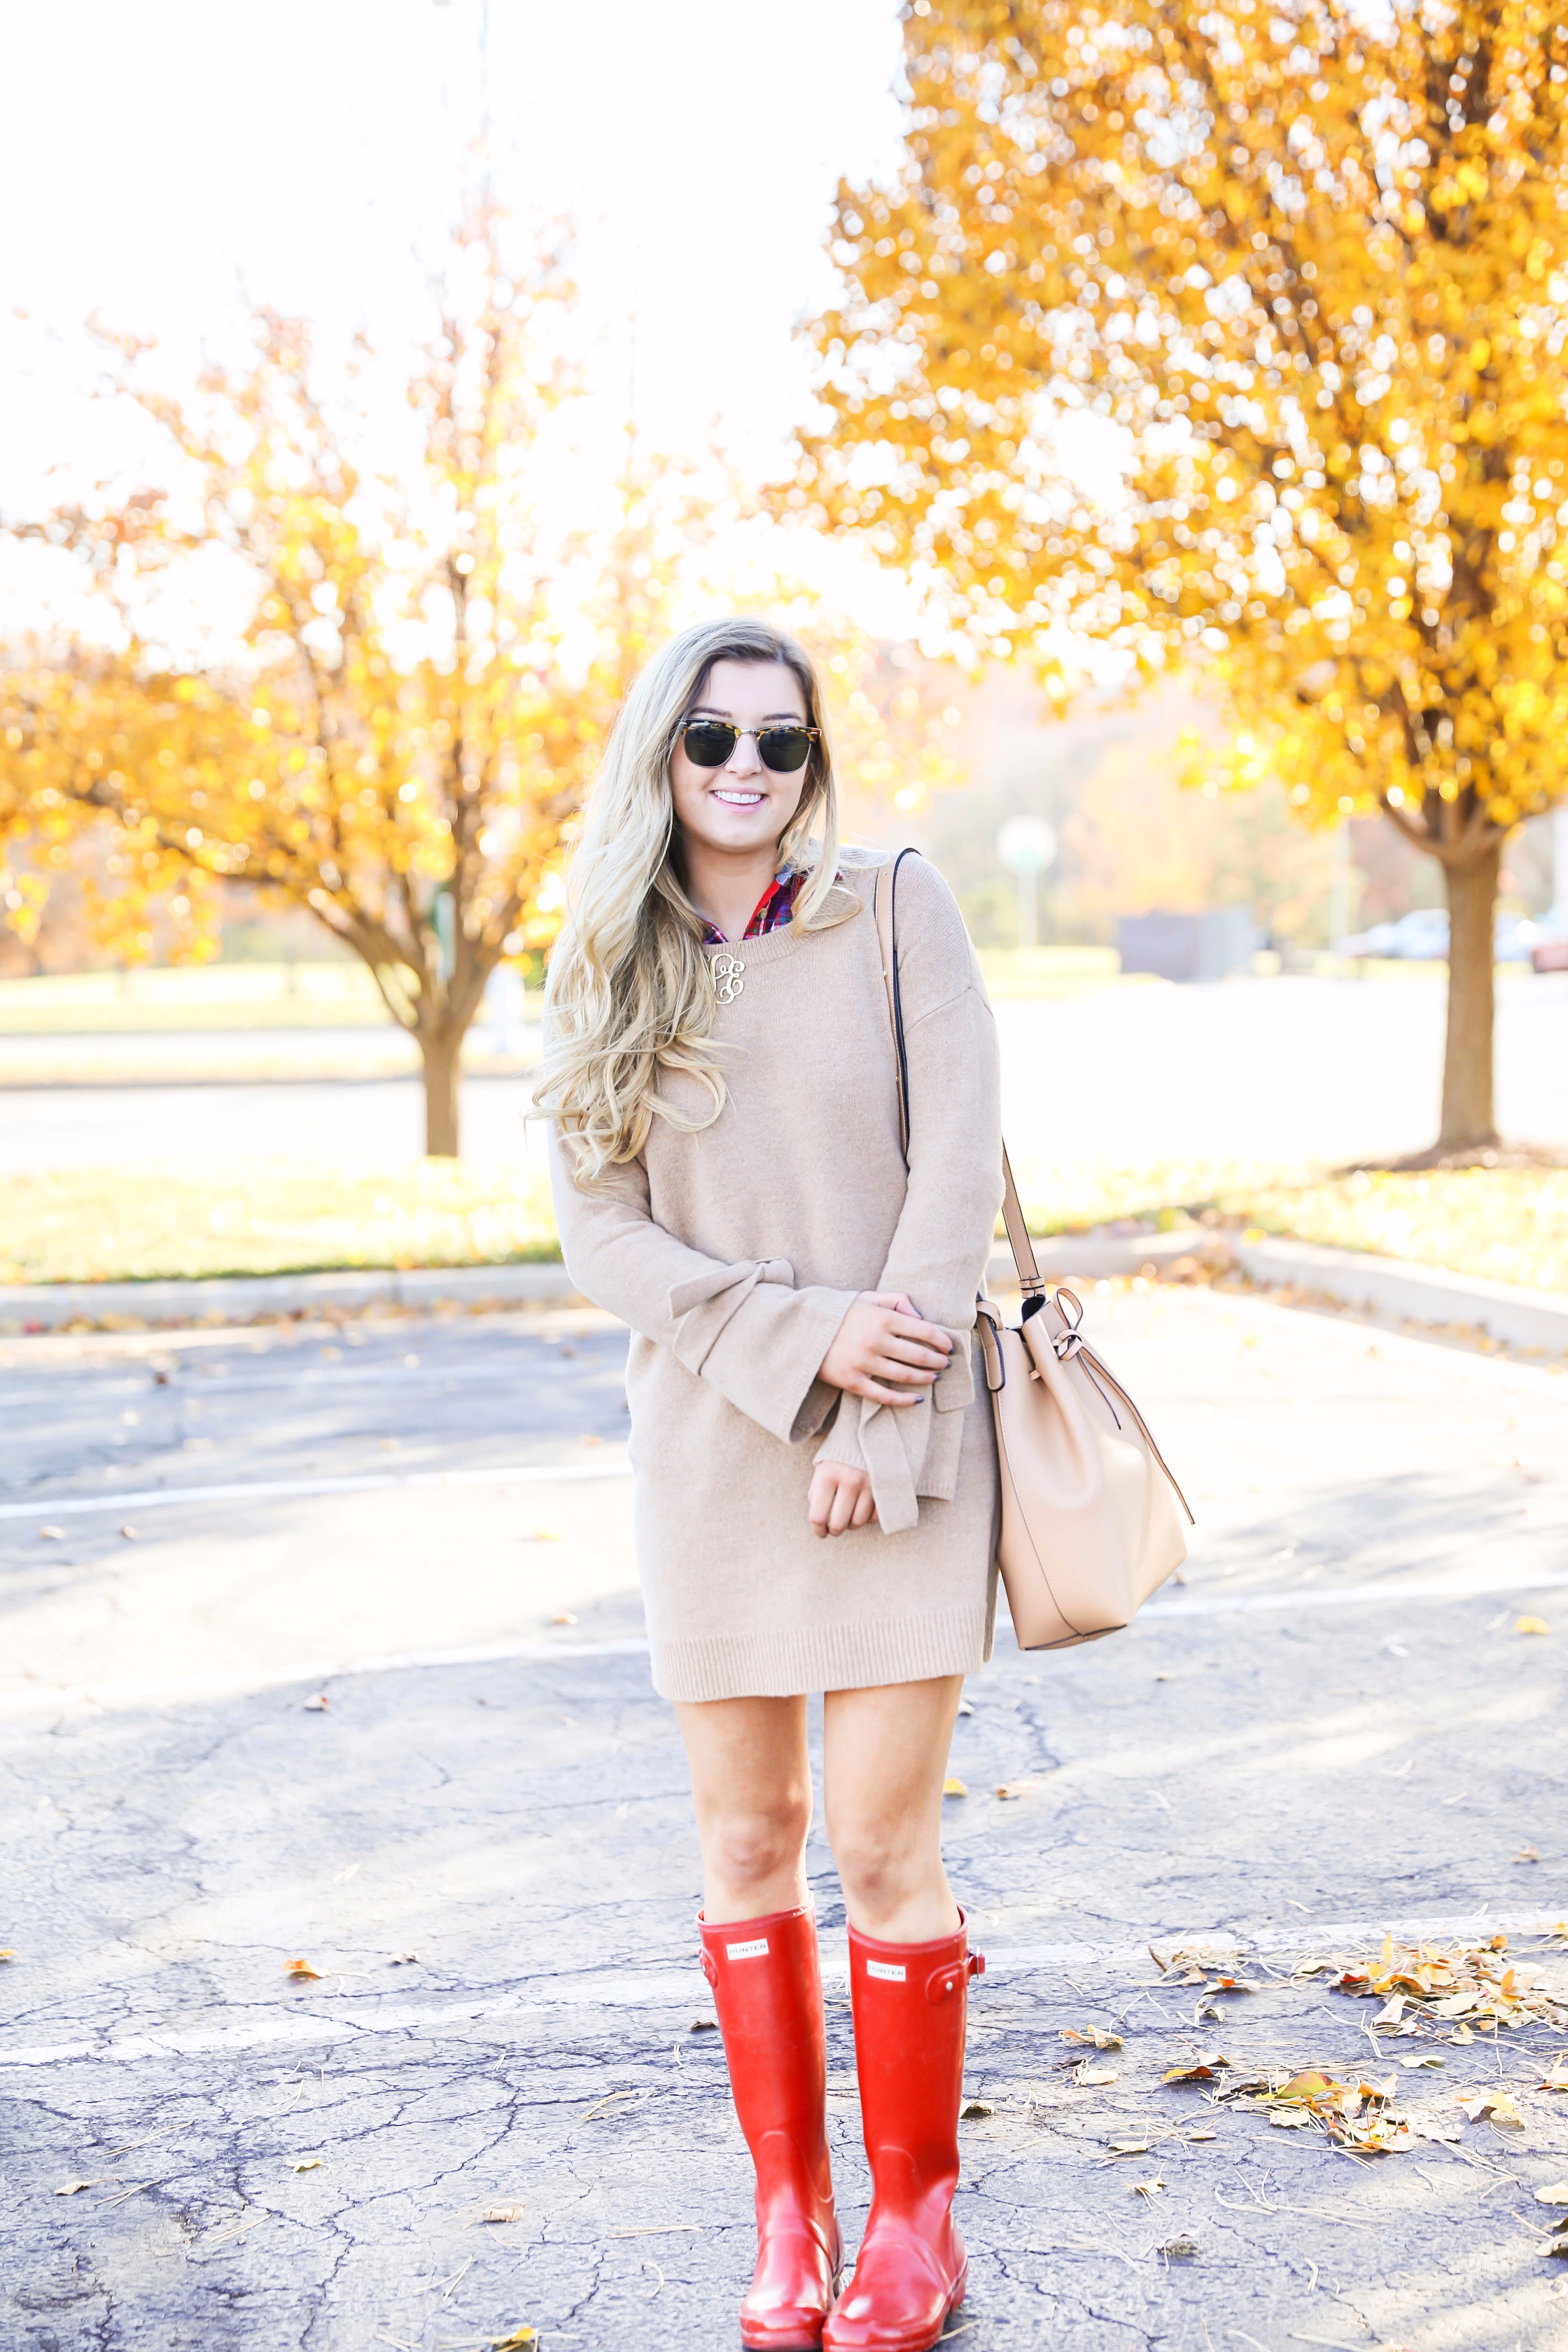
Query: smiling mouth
{"points": [[739, 797]]}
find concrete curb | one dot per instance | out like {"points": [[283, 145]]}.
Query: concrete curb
{"points": [[241, 1298], [1426, 1294], [1418, 1294]]}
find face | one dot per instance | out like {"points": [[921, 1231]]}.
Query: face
{"points": [[741, 806]]}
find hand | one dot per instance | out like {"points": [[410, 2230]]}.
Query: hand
{"points": [[885, 1350], [840, 1497]]}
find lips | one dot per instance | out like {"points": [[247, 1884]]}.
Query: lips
{"points": [[741, 799]]}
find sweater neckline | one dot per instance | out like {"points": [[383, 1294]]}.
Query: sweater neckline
{"points": [[772, 946]]}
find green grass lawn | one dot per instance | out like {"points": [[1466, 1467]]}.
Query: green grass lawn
{"points": [[99, 1225]]}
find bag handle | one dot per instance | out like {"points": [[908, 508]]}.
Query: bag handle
{"points": [[885, 907]]}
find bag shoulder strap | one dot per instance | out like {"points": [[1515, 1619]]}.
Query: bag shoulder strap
{"points": [[885, 907]]}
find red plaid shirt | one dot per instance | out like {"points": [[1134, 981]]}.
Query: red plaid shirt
{"points": [[773, 909]]}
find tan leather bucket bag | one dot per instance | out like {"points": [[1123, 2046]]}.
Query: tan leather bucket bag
{"points": [[1089, 1522]]}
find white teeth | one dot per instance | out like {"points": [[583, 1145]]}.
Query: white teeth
{"points": [[739, 799]]}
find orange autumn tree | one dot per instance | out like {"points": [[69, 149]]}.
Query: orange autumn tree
{"points": [[1233, 336], [393, 744]]}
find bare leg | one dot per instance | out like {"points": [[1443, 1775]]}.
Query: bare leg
{"points": [[751, 1784], [885, 1754]]}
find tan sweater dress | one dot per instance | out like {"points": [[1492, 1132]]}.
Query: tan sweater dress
{"points": [[734, 1255]]}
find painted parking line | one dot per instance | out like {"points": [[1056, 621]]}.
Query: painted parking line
{"points": [[360, 2018], [151, 1498]]}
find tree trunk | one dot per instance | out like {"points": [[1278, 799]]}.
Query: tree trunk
{"points": [[1469, 1120], [441, 1053]]}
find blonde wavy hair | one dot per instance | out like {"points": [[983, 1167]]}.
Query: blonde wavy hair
{"points": [[630, 991]]}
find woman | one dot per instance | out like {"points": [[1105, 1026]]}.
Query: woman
{"points": [[815, 1481]]}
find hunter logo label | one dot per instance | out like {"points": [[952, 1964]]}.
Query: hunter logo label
{"points": [[890, 1971], [757, 1950]]}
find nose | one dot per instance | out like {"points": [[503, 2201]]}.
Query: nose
{"points": [[743, 760]]}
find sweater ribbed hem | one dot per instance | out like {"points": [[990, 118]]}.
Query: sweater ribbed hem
{"points": [[788, 1661]]}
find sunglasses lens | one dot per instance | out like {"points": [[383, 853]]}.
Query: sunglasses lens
{"points": [[708, 742], [785, 749]]}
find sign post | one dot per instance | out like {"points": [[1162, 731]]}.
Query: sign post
{"points": [[1026, 847]]}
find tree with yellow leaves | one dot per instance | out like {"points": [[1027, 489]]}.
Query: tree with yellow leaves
{"points": [[394, 745], [1235, 336]]}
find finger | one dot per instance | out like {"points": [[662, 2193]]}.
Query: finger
{"points": [[819, 1502], [864, 1507], [897, 1368], [911, 1351], [843, 1509], [915, 1327], [862, 1385]]}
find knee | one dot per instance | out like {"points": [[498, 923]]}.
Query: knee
{"points": [[881, 1866], [756, 1848]]}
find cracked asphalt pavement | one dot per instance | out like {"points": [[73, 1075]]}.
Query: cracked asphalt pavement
{"points": [[361, 1697]]}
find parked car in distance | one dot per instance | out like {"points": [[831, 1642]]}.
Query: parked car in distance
{"points": [[1422, 937]]}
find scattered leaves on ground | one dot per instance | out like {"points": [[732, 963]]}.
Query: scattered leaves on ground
{"points": [[300, 1969], [953, 1787], [1096, 2034], [1448, 1983], [1556, 2079]]}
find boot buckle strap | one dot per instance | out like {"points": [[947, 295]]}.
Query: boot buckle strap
{"points": [[710, 1967], [943, 1982]]}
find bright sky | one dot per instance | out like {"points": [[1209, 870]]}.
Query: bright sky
{"points": [[164, 162]]}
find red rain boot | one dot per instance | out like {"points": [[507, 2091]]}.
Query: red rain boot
{"points": [[767, 1990], [909, 2001]]}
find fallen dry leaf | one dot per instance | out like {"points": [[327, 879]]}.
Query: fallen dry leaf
{"points": [[500, 2214], [522, 2339], [1292, 2118], [1424, 2058], [300, 1969], [1193, 2137], [1154, 2188], [1532, 1625], [953, 1787], [703, 2025], [51, 1535], [130, 1534], [563, 1617], [305, 2163], [7, 1956], [74, 2188], [1128, 2147], [1094, 2033], [1556, 2195], [1202, 2070], [402, 1960], [977, 2111], [1179, 2250], [1010, 1790], [1497, 2106], [1557, 2080], [1527, 1854], [317, 1706], [1095, 2078]]}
